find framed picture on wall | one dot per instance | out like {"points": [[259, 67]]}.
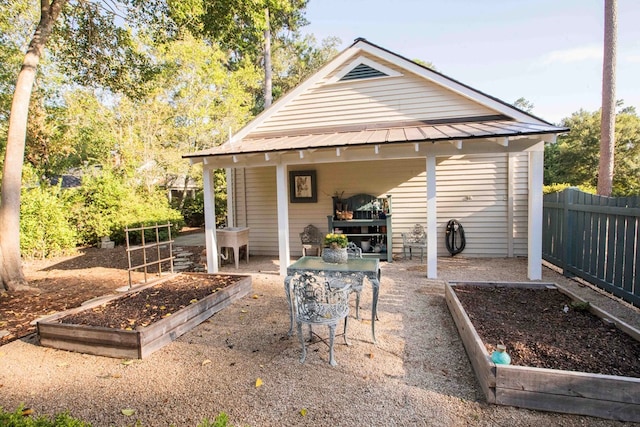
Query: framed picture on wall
{"points": [[303, 187]]}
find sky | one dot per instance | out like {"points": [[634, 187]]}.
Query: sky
{"points": [[547, 51]]}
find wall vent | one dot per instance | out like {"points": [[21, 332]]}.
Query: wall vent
{"points": [[362, 71]]}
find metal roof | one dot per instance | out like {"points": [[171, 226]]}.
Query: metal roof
{"points": [[375, 134]]}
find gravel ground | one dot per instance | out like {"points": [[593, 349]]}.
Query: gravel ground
{"points": [[417, 374]]}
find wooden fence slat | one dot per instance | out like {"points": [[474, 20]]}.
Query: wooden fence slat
{"points": [[628, 256], [596, 238]]}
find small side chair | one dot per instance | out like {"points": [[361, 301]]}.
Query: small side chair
{"points": [[415, 239], [311, 240], [319, 300]]}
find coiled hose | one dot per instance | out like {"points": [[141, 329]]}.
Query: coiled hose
{"points": [[455, 239]]}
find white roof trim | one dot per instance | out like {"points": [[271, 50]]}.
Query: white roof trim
{"points": [[366, 61]]}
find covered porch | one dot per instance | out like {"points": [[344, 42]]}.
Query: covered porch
{"points": [[373, 122]]}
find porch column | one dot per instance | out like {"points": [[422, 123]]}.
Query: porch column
{"points": [[534, 250], [283, 218], [210, 218], [432, 219]]}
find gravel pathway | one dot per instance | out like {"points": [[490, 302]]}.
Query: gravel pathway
{"points": [[417, 375]]}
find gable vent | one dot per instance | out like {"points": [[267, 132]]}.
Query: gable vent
{"points": [[362, 71]]}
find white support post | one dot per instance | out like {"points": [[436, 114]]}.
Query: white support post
{"points": [[432, 219], [536, 171], [283, 218], [210, 219]]}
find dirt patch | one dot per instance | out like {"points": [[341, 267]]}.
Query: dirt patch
{"points": [[66, 282], [544, 329], [144, 307]]}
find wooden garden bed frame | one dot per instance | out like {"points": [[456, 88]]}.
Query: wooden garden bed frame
{"points": [[139, 343], [604, 396]]}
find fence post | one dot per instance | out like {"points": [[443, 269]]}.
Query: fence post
{"points": [[567, 231]]}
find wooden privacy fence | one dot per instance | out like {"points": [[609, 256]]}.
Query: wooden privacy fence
{"points": [[596, 238]]}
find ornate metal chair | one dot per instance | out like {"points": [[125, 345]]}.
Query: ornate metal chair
{"points": [[415, 239], [319, 300], [311, 239]]}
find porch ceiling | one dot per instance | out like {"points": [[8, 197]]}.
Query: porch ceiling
{"points": [[374, 135]]}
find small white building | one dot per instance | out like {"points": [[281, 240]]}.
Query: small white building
{"points": [[371, 121]]}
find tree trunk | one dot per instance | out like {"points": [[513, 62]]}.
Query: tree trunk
{"points": [[608, 112], [11, 274], [185, 187], [268, 78]]}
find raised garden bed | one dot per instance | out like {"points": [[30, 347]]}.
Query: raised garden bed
{"points": [[558, 390], [134, 324]]}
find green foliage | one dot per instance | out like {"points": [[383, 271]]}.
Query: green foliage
{"points": [[106, 204], [580, 305], [45, 229], [339, 239], [239, 25], [193, 210], [220, 183], [222, 420], [94, 49], [18, 419], [524, 104], [574, 157], [295, 60], [555, 188]]}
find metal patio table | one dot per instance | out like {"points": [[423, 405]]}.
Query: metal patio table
{"points": [[354, 271]]}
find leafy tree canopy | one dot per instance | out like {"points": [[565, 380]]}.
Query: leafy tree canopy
{"points": [[574, 157]]}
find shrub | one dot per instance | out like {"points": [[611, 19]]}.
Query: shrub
{"points": [[45, 229], [105, 205], [555, 188], [193, 210]]}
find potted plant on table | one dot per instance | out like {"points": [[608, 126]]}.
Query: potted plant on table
{"points": [[335, 250]]}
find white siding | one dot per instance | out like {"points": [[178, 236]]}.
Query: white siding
{"points": [[474, 191], [261, 206], [404, 98], [520, 204], [483, 178]]}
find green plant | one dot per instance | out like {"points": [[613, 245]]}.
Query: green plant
{"points": [[555, 188], [222, 420], [193, 210], [580, 305], [105, 205], [21, 418], [45, 227], [339, 240]]}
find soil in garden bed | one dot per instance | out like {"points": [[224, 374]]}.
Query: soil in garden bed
{"points": [[142, 308], [544, 329]]}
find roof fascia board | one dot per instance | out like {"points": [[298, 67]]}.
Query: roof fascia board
{"points": [[368, 152], [313, 79], [448, 83]]}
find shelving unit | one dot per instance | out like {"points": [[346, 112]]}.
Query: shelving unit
{"points": [[371, 222]]}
